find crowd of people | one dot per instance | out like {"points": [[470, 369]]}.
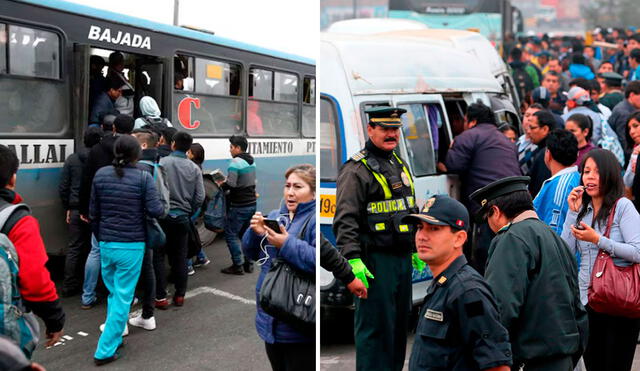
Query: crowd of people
{"points": [[545, 204], [133, 180]]}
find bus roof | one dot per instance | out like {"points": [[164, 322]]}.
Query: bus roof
{"points": [[466, 41], [376, 64], [161, 27]]}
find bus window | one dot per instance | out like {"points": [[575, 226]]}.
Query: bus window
{"points": [[216, 106], [272, 109], [183, 73], [217, 78], [309, 107], [31, 105], [34, 53], [417, 129], [3, 48], [330, 142]]}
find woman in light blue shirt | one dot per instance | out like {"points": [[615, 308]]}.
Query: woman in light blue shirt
{"points": [[612, 340]]}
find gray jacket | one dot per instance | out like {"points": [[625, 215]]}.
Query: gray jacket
{"points": [[186, 189]]}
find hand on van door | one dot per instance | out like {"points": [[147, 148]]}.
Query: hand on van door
{"points": [[360, 271], [357, 288], [418, 264]]}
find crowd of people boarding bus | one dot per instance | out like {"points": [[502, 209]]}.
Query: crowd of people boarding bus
{"points": [[132, 196]]}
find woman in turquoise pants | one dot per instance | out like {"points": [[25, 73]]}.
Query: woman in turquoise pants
{"points": [[122, 196]]}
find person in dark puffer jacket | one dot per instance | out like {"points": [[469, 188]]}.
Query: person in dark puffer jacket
{"points": [[288, 349], [79, 231], [122, 195]]}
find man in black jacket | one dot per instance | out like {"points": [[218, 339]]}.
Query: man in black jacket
{"points": [[100, 155], [79, 232]]}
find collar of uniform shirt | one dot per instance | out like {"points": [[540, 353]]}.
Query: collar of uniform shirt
{"points": [[451, 270]]}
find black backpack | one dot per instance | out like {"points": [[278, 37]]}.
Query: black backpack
{"points": [[523, 82], [156, 123]]}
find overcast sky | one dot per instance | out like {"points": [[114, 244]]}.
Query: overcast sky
{"points": [[286, 25]]}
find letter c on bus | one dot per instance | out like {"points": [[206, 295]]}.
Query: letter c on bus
{"points": [[184, 112]]}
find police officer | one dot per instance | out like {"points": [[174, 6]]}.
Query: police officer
{"points": [[459, 325], [374, 191], [534, 278]]}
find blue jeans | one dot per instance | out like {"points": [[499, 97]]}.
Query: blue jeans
{"points": [[199, 256], [121, 263], [237, 222], [91, 273]]}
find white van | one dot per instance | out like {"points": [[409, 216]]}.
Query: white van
{"points": [[433, 83]]}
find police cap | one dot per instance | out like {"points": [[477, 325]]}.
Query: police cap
{"points": [[386, 117], [442, 210], [496, 189], [613, 78]]}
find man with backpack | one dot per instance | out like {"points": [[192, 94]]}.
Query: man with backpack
{"points": [[524, 75], [37, 293], [151, 116]]}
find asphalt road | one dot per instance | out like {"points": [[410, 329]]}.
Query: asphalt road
{"points": [[214, 330], [337, 352]]}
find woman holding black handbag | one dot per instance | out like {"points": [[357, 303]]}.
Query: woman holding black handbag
{"points": [[288, 346], [603, 226]]}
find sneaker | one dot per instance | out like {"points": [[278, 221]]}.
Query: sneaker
{"points": [[190, 270], [124, 333], [162, 303], [135, 301], [233, 269], [248, 267], [178, 301], [147, 324], [201, 262]]}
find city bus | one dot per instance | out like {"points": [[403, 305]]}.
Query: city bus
{"points": [[209, 86], [434, 83]]}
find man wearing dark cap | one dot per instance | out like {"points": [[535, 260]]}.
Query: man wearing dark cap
{"points": [[613, 89], [459, 326], [374, 191], [534, 279]]}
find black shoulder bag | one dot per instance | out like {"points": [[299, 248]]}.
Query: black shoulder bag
{"points": [[288, 294]]}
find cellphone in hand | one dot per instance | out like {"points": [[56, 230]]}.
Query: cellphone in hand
{"points": [[273, 224], [579, 226]]}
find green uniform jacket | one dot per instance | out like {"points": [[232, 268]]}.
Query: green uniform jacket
{"points": [[612, 99], [534, 278]]}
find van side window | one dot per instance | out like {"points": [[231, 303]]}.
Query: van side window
{"points": [[272, 108], [419, 125], [34, 53], [309, 107], [330, 141]]}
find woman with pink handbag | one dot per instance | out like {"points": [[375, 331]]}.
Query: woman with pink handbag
{"points": [[604, 227]]}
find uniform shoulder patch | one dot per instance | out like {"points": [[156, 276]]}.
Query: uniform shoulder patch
{"points": [[359, 155]]}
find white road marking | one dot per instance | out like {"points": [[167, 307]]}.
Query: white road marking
{"points": [[214, 291], [329, 360], [68, 337], [82, 333]]}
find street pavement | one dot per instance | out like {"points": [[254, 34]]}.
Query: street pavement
{"points": [[337, 352], [214, 330]]}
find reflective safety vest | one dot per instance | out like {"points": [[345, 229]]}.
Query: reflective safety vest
{"points": [[380, 212]]}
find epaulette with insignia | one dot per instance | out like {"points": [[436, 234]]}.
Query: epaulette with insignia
{"points": [[359, 155]]}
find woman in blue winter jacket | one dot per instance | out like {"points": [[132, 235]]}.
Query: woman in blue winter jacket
{"points": [[287, 348], [121, 196]]}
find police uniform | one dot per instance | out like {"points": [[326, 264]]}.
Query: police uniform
{"points": [[374, 191], [459, 325], [534, 278]]}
